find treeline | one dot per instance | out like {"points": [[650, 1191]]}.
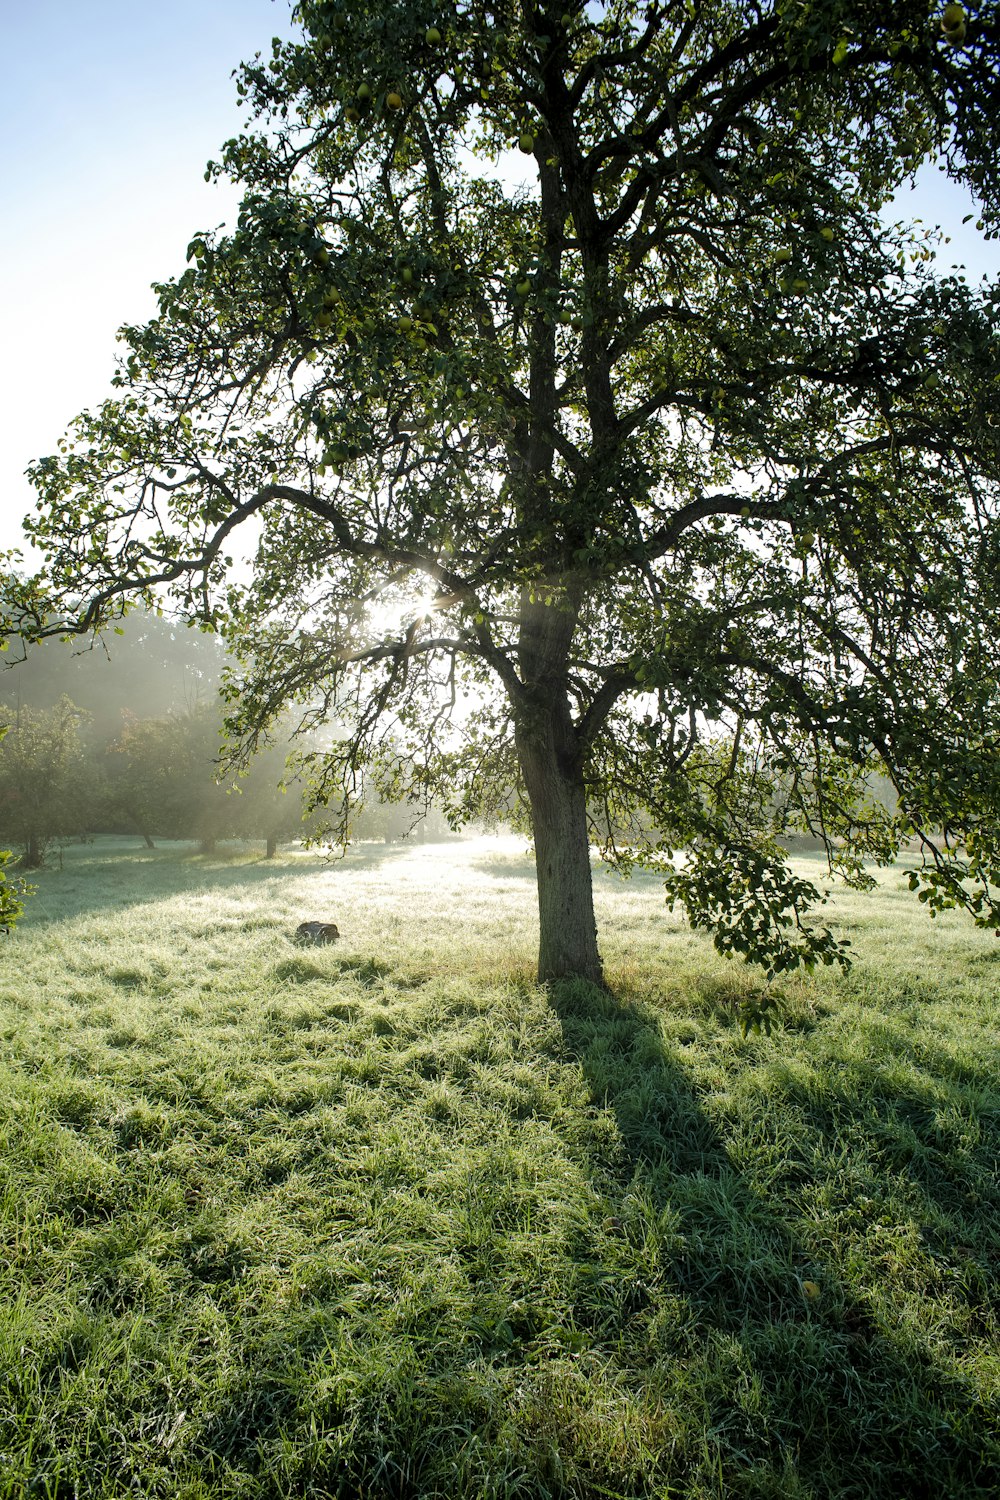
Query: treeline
{"points": [[126, 739]]}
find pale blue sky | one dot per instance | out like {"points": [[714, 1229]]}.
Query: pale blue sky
{"points": [[109, 112]]}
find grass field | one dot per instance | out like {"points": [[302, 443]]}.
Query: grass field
{"points": [[385, 1219]]}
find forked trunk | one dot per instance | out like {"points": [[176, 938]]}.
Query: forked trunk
{"points": [[567, 945]]}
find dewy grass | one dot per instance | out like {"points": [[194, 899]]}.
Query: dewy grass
{"points": [[384, 1218]]}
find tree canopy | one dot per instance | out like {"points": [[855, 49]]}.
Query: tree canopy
{"points": [[561, 411]]}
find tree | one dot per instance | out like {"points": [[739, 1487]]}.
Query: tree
{"points": [[42, 780], [658, 481], [11, 904], [165, 780]]}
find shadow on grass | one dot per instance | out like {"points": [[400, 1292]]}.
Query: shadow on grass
{"points": [[123, 875], [810, 1389]]}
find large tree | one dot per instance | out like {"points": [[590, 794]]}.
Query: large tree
{"points": [[588, 427]]}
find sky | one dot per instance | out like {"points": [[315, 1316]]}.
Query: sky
{"points": [[107, 120]]}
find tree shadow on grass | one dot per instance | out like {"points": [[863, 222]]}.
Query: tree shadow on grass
{"points": [[808, 1388], [122, 875]]}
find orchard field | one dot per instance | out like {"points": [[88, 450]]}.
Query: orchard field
{"points": [[385, 1219]]}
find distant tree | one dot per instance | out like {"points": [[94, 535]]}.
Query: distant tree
{"points": [[167, 778], [142, 780], [166, 781], [43, 780], [11, 904], [663, 478], [270, 799]]}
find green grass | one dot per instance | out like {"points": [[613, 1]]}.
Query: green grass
{"points": [[385, 1219]]}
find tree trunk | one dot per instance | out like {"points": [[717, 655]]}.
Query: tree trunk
{"points": [[567, 944], [147, 840], [272, 846]]}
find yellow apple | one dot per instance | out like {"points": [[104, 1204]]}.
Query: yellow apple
{"points": [[432, 36], [953, 24], [526, 143], [364, 93], [394, 100], [827, 234]]}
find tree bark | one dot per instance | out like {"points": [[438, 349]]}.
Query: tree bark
{"points": [[272, 846], [567, 941]]}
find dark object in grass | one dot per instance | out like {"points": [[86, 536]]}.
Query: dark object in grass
{"points": [[317, 932]]}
